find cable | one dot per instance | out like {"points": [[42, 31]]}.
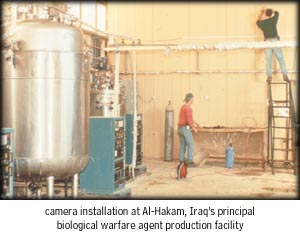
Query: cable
{"points": [[248, 117], [247, 146]]}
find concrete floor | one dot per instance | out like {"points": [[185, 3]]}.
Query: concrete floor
{"points": [[213, 180]]}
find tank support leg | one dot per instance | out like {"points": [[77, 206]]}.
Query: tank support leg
{"points": [[66, 187], [75, 186], [39, 192], [50, 187], [27, 190]]}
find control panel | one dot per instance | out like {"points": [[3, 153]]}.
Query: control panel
{"points": [[105, 172], [7, 163]]}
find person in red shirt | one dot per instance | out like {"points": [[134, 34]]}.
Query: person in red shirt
{"points": [[185, 125]]}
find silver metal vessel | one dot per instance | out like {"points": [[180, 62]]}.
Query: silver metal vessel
{"points": [[102, 103], [45, 99], [169, 133]]}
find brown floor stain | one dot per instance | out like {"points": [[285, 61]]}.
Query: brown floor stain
{"points": [[155, 183], [262, 195], [281, 171], [283, 190], [250, 172]]}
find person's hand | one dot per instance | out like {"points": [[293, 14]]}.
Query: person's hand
{"points": [[261, 15]]}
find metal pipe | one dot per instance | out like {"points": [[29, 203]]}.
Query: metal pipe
{"points": [[126, 61], [75, 186], [142, 45], [86, 31], [66, 187], [134, 114], [208, 72], [39, 191], [50, 187], [116, 83], [27, 191], [197, 47], [92, 46]]}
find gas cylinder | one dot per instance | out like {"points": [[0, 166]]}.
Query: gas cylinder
{"points": [[169, 132], [229, 156]]}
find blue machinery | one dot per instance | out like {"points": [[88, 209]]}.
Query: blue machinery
{"points": [[7, 163], [105, 172]]}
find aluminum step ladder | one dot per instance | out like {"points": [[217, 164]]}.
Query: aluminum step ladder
{"points": [[281, 128]]}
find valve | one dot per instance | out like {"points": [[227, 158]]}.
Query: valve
{"points": [[33, 187], [12, 47]]}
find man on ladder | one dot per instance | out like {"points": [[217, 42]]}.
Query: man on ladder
{"points": [[267, 22]]}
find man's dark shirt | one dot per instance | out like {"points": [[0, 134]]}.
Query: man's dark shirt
{"points": [[269, 26]]}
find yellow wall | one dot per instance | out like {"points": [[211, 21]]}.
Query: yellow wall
{"points": [[220, 99]]}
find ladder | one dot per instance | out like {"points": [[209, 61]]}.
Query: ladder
{"points": [[281, 127]]}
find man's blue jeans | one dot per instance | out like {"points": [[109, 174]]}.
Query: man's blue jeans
{"points": [[279, 56], [186, 140]]}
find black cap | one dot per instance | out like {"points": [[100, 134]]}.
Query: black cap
{"points": [[188, 96]]}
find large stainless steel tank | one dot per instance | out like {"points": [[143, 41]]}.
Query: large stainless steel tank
{"points": [[46, 100]]}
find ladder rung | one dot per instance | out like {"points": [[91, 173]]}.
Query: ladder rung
{"points": [[278, 83], [280, 106], [281, 127], [281, 101], [280, 138], [281, 117], [283, 161], [283, 149]]}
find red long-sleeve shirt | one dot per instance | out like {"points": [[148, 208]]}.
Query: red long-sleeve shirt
{"points": [[185, 116]]}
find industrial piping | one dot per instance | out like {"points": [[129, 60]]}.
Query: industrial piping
{"points": [[199, 47]]}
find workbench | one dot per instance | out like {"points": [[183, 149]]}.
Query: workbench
{"points": [[249, 143]]}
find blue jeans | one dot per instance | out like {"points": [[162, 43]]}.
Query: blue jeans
{"points": [[186, 140], [279, 56]]}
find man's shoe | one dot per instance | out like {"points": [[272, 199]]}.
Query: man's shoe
{"points": [[191, 165], [286, 79], [269, 79]]}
